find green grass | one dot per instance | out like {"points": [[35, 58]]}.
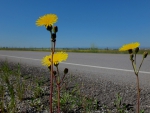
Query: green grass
{"points": [[77, 50], [29, 90]]}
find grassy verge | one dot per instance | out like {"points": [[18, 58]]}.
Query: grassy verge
{"points": [[78, 50], [29, 93], [24, 90]]}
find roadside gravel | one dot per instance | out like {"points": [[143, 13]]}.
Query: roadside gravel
{"points": [[102, 89]]}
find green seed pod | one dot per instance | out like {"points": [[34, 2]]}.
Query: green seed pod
{"points": [[49, 28], [56, 64], [136, 50], [53, 37], [49, 67], [54, 72], [131, 57], [130, 51], [145, 54], [55, 29], [65, 70]]}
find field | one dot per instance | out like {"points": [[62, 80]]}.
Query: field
{"points": [[78, 50]]}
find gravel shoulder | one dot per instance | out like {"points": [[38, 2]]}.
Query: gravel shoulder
{"points": [[102, 89]]}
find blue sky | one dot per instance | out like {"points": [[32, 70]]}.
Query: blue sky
{"points": [[81, 23]]}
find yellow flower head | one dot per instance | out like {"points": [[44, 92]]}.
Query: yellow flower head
{"points": [[57, 58], [130, 46], [47, 20]]}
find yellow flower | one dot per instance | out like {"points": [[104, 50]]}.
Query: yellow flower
{"points": [[57, 58], [130, 46], [47, 20]]}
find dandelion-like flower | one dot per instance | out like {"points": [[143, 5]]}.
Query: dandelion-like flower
{"points": [[57, 58], [130, 46], [47, 20]]}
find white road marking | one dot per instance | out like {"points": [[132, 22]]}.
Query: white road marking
{"points": [[117, 69], [20, 57]]}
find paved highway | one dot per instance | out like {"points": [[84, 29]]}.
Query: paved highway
{"points": [[113, 67]]}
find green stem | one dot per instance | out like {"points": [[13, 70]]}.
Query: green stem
{"points": [[135, 59], [62, 79], [51, 77], [58, 90], [58, 73], [54, 45], [138, 86], [138, 94], [134, 67], [58, 97], [140, 65]]}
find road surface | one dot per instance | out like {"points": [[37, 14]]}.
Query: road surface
{"points": [[113, 67]]}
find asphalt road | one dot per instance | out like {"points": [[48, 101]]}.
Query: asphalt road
{"points": [[111, 67]]}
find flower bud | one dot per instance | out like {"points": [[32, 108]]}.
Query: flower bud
{"points": [[130, 51], [49, 67], [53, 37], [55, 29], [136, 50], [145, 54], [56, 64], [54, 72], [65, 70], [49, 28], [131, 57]]}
